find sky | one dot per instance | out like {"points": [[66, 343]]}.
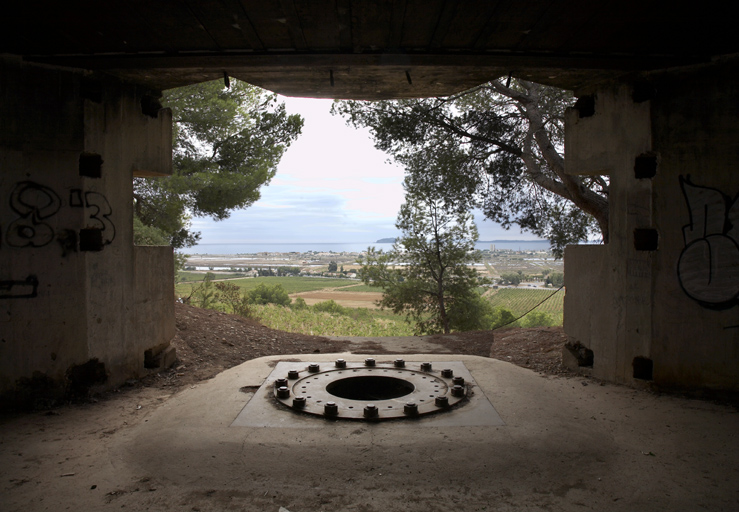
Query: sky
{"points": [[331, 186]]}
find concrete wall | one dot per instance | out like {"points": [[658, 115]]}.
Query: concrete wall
{"points": [[660, 302], [154, 320], [69, 145]]}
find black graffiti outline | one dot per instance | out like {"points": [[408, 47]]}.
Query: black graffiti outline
{"points": [[714, 220], [98, 202], [29, 285], [29, 229]]}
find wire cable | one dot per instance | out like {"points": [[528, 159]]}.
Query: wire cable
{"points": [[530, 310]]}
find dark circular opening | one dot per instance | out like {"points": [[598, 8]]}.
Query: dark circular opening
{"points": [[370, 388]]}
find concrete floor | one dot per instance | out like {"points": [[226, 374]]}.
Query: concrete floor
{"points": [[567, 444]]}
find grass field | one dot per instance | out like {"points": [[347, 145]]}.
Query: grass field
{"points": [[359, 288], [358, 317], [519, 301], [189, 277], [290, 284], [359, 322]]}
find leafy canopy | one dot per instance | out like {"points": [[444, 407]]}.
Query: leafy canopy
{"points": [[227, 144], [427, 275], [496, 147]]}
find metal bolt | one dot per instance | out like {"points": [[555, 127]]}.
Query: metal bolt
{"points": [[330, 409], [283, 392], [298, 402], [279, 383], [458, 381], [411, 408], [448, 373], [340, 363], [442, 401], [293, 374], [369, 362], [370, 411], [425, 367], [313, 368], [458, 390], [399, 363]]}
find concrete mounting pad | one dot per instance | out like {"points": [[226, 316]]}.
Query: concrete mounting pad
{"points": [[474, 409], [567, 444]]}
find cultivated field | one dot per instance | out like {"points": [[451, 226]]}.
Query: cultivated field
{"points": [[355, 295], [520, 300], [292, 285]]}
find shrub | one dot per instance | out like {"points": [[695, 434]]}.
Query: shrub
{"points": [[471, 313], [298, 304], [204, 294], [264, 294], [331, 307], [231, 295], [502, 316], [537, 319]]}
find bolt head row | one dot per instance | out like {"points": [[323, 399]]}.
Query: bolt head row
{"points": [[280, 383], [330, 409]]}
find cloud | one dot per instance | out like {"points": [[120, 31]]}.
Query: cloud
{"points": [[332, 185]]}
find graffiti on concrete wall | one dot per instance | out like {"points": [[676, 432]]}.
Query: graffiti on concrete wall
{"points": [[708, 268], [25, 289], [98, 210], [34, 204]]}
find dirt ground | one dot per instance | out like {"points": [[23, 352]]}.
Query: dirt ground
{"points": [[72, 457], [43, 451], [209, 342]]}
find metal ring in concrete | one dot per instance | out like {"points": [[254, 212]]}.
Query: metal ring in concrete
{"points": [[370, 391]]}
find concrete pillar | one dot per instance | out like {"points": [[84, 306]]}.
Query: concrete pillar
{"points": [[69, 146], [660, 303]]}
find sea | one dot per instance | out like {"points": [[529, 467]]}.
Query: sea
{"points": [[254, 248]]}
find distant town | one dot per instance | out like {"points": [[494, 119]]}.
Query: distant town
{"points": [[503, 266]]}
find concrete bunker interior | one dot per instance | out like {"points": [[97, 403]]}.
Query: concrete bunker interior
{"points": [[80, 117], [80, 306]]}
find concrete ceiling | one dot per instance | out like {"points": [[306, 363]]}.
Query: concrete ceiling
{"points": [[363, 49]]}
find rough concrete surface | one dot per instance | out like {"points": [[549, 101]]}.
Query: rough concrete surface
{"points": [[567, 444]]}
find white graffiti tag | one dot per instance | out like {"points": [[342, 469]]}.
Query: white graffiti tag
{"points": [[708, 268]]}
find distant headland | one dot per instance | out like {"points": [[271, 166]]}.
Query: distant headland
{"points": [[392, 241]]}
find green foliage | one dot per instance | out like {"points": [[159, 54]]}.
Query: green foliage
{"points": [[299, 303], [361, 322], [502, 317], [537, 319], [264, 294], [511, 278], [231, 296], [555, 279], [470, 313], [331, 307], [332, 266], [499, 146], [427, 271], [227, 144], [148, 235], [290, 284], [204, 294]]}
